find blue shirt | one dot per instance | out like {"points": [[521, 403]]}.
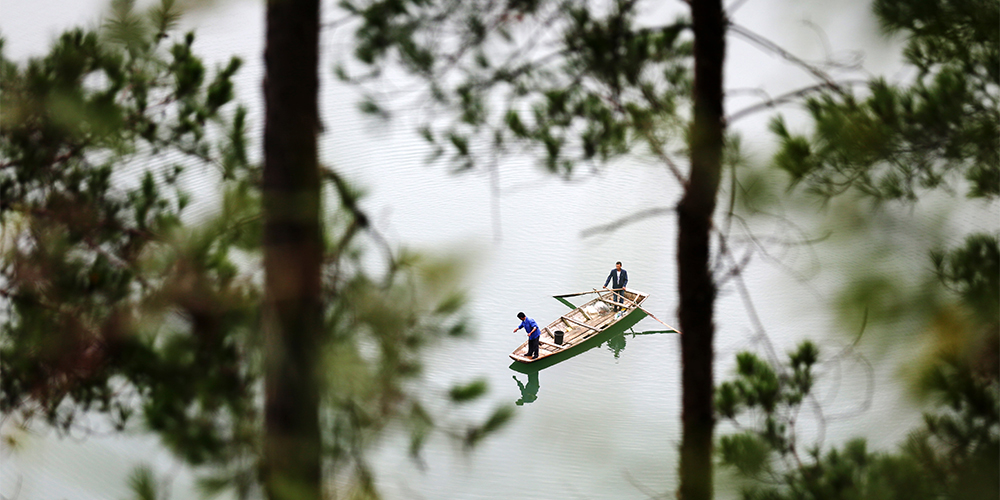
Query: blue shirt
{"points": [[528, 324]]}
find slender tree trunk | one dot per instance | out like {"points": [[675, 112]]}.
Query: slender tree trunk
{"points": [[292, 252], [697, 287]]}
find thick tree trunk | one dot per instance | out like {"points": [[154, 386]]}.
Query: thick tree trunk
{"points": [[697, 287], [292, 252]]}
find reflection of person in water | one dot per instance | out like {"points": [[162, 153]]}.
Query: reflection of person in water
{"points": [[616, 344], [529, 392]]}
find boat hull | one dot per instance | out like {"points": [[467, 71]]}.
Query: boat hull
{"points": [[595, 341], [582, 327]]}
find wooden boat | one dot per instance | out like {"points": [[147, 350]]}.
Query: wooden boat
{"points": [[577, 326]]}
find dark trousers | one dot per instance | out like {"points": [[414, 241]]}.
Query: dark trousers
{"points": [[619, 298], [532, 348]]}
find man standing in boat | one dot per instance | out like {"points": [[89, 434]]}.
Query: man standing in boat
{"points": [[534, 333], [618, 279]]}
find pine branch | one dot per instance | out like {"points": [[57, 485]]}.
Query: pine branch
{"points": [[837, 86]]}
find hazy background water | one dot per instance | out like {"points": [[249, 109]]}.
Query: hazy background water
{"points": [[603, 426]]}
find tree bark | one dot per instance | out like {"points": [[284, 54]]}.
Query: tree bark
{"points": [[697, 287], [292, 252]]}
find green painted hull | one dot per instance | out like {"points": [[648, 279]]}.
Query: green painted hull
{"points": [[596, 340]]}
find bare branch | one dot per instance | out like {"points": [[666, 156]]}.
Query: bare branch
{"points": [[625, 221], [332, 25], [744, 292], [643, 488], [361, 221], [657, 148], [770, 46], [757, 91], [850, 350], [792, 96], [831, 61], [17, 489], [733, 7]]}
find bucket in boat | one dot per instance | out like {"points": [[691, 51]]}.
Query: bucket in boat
{"points": [[558, 337]]}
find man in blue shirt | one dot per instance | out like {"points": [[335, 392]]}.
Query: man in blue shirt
{"points": [[534, 333]]}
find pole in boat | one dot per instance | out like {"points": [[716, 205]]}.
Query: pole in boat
{"points": [[640, 308]]}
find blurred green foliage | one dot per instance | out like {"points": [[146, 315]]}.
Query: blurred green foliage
{"points": [[899, 142], [777, 394], [115, 302], [570, 82], [109, 299], [144, 484], [901, 139], [936, 135], [955, 455]]}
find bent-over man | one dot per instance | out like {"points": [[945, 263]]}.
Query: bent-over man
{"points": [[534, 333]]}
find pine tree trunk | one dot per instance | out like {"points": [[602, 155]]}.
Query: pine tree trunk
{"points": [[292, 252], [697, 287]]}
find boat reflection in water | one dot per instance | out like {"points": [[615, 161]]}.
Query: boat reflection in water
{"points": [[616, 344], [615, 340]]}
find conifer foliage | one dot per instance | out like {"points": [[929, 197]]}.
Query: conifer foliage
{"points": [[117, 303], [93, 140], [954, 455], [898, 139], [897, 142]]}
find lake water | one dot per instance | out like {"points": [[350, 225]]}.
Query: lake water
{"points": [[602, 425]]}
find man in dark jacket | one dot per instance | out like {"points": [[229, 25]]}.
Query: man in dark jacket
{"points": [[618, 279]]}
